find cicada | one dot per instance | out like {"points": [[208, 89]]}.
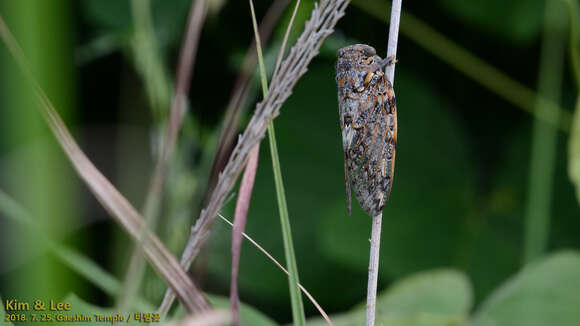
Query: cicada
{"points": [[368, 120]]}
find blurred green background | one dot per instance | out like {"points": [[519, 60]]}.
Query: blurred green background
{"points": [[481, 186]]}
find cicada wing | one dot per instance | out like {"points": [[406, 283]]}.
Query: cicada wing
{"points": [[372, 154], [347, 184], [391, 108]]}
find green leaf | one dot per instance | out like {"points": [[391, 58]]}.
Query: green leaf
{"points": [[546, 292], [438, 297], [440, 292]]}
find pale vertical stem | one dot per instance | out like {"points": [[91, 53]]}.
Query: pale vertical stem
{"points": [[377, 220], [373, 269], [393, 38]]}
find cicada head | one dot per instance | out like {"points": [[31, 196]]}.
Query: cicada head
{"points": [[356, 50], [358, 56]]}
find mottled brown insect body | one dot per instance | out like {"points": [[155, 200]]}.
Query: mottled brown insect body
{"points": [[368, 119]]}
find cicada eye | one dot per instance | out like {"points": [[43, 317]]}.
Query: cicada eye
{"points": [[368, 51]]}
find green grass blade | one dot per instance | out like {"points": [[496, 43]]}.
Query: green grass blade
{"points": [[263, 78], [295, 295], [544, 136]]}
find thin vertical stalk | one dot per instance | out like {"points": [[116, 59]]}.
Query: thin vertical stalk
{"points": [[544, 135], [373, 269], [393, 38], [377, 220]]}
